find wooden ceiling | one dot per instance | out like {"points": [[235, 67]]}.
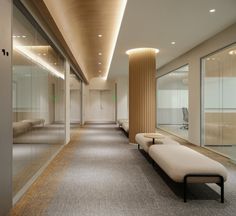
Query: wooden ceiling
{"points": [[80, 22]]}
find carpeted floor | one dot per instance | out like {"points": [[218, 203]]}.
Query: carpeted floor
{"points": [[100, 174]]}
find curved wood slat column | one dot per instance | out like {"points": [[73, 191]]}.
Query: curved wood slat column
{"points": [[142, 93]]}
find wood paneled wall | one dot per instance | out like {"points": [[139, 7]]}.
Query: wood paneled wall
{"points": [[142, 93]]}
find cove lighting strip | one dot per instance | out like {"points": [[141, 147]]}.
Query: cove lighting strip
{"points": [[36, 59], [115, 36]]}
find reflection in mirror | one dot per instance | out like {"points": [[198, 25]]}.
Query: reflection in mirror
{"points": [[219, 101], [172, 102], [38, 100]]}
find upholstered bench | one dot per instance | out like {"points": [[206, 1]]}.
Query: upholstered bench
{"points": [[121, 121], [35, 122], [125, 126], [185, 165], [145, 142], [20, 128]]}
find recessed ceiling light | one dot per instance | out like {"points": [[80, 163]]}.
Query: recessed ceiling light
{"points": [[99, 71], [23, 36], [44, 54], [212, 10], [232, 52], [55, 63], [100, 35], [99, 63], [14, 36], [18, 36], [173, 42], [100, 53]]}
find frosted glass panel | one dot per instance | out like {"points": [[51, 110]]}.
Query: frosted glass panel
{"points": [[219, 101], [172, 102]]}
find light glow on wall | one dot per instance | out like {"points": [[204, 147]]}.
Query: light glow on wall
{"points": [[115, 36], [36, 59], [135, 50]]}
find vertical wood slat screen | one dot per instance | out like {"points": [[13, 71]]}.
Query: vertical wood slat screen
{"points": [[142, 92]]}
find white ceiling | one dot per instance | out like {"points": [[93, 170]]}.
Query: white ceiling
{"points": [[156, 23]]}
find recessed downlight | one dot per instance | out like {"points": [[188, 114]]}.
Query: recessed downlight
{"points": [[213, 10], [99, 63], [100, 53], [100, 71], [173, 42], [23, 36], [100, 35], [232, 52], [44, 54]]}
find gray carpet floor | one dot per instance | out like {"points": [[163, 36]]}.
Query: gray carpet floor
{"points": [[107, 176]]}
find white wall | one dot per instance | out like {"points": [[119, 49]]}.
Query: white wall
{"points": [[224, 38], [5, 108], [101, 85], [122, 97]]}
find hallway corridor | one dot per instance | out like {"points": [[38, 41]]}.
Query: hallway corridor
{"points": [[100, 174]]}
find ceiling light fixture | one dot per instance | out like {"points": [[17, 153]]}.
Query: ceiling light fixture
{"points": [[100, 53], [128, 52], [115, 36], [99, 35], [23, 36], [99, 63], [99, 71], [173, 42], [212, 10], [232, 52], [24, 50]]}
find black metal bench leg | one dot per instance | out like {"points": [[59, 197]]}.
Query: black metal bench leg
{"points": [[222, 189], [185, 189], [138, 147]]}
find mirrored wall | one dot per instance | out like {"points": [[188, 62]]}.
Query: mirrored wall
{"points": [[172, 102], [38, 100], [219, 101]]}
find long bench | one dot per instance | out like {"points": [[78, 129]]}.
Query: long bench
{"points": [[124, 124], [184, 165]]}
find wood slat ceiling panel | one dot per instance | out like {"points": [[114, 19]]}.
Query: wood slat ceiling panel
{"points": [[80, 23]]}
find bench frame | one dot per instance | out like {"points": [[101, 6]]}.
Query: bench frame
{"points": [[221, 184], [185, 183]]}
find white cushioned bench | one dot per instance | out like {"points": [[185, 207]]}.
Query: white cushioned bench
{"points": [[145, 142], [185, 165]]}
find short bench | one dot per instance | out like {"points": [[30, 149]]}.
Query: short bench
{"points": [[185, 165], [145, 142]]}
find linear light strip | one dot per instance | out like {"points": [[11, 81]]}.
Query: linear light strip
{"points": [[119, 21], [21, 49]]}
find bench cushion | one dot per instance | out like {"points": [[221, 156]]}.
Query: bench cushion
{"points": [[178, 161], [125, 126], [147, 142]]}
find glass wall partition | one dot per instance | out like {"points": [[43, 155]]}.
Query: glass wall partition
{"points": [[219, 101], [172, 102], [38, 100]]}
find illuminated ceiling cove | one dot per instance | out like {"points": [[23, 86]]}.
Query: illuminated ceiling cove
{"points": [[90, 28]]}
